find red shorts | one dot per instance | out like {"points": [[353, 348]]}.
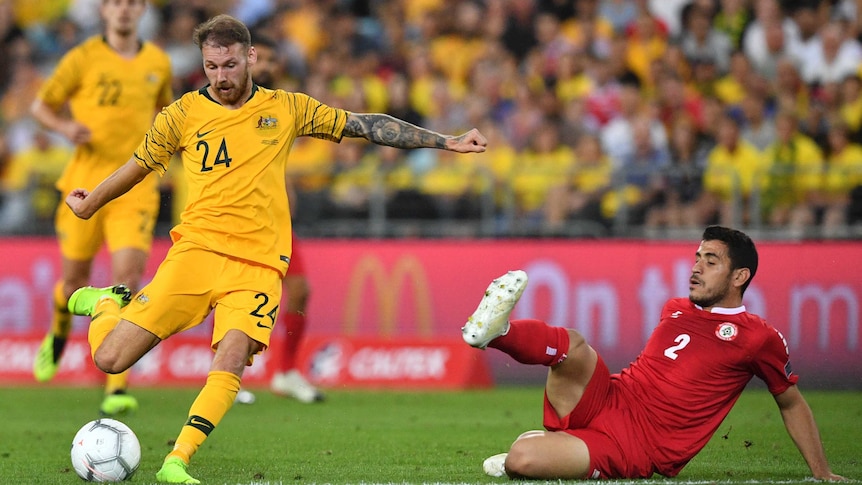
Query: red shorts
{"points": [[604, 420], [296, 268]]}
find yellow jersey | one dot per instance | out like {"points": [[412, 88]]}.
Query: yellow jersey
{"points": [[843, 171], [851, 113], [449, 177], [537, 173], [234, 162], [729, 90], [730, 172], [116, 98], [795, 169], [311, 165], [591, 177]]}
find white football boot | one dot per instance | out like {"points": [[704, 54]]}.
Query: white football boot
{"points": [[293, 384], [495, 466], [245, 397], [491, 319]]}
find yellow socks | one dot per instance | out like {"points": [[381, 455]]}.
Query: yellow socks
{"points": [[206, 412], [106, 316], [116, 382], [61, 321]]}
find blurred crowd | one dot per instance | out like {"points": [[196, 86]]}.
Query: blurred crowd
{"points": [[603, 117]]}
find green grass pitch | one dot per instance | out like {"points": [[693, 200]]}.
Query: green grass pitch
{"points": [[370, 437]]}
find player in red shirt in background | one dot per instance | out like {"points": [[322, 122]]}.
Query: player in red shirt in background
{"points": [[288, 381], [657, 414]]}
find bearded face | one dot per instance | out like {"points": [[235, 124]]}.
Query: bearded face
{"points": [[228, 71], [712, 277]]}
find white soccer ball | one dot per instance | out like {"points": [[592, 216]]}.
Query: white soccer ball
{"points": [[105, 450]]}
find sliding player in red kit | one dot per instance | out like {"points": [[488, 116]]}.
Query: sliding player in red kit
{"points": [[657, 414]]}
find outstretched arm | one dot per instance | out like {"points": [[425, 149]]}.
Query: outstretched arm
{"points": [[84, 204], [799, 421], [386, 130]]}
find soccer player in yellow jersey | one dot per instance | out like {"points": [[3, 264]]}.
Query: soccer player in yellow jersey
{"points": [[233, 245], [113, 84]]}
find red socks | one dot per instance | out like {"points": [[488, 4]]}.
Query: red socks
{"points": [[534, 342], [294, 326]]}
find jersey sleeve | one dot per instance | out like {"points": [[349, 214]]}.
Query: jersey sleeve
{"points": [[772, 363], [163, 138], [316, 119], [64, 81]]}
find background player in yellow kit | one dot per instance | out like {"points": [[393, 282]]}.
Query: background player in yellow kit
{"points": [[113, 85], [233, 245]]}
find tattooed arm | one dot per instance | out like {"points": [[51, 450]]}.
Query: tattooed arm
{"points": [[386, 130]]}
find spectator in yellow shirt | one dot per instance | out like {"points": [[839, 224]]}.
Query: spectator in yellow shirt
{"points": [[14, 203], [795, 164], [646, 43], [495, 166], [541, 166], [851, 106], [457, 48], [578, 197], [730, 88], [353, 181], [842, 175], [310, 172], [733, 171], [35, 170], [451, 182], [400, 183]]}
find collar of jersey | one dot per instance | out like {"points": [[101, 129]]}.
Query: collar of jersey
{"points": [[725, 311], [203, 92], [105, 40]]}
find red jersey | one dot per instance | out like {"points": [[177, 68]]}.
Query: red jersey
{"points": [[691, 372]]}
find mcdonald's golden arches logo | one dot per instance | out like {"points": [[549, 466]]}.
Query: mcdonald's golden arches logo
{"points": [[388, 288]]}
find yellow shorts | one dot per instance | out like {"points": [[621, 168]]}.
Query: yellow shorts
{"points": [[126, 222], [192, 281]]}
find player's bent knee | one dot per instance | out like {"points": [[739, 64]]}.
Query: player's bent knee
{"points": [[108, 362], [522, 462], [578, 347], [547, 455], [576, 340]]}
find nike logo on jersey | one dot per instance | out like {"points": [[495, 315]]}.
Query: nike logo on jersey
{"points": [[201, 135], [264, 326], [676, 314], [285, 259]]}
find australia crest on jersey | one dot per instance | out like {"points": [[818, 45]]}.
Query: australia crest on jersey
{"points": [[267, 122], [726, 331]]}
